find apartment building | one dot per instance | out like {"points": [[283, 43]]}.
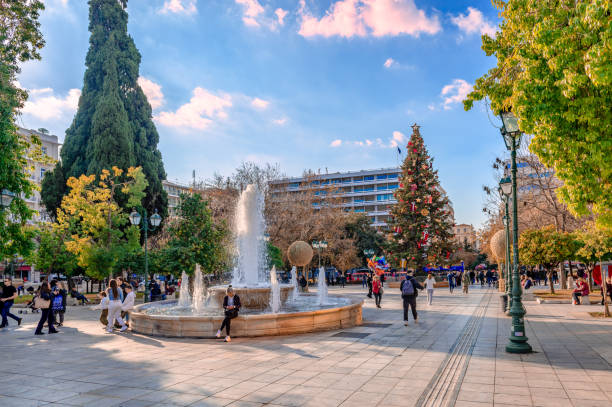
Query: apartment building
{"points": [[50, 148], [368, 191], [174, 189], [466, 234]]}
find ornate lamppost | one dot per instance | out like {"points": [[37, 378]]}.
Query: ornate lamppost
{"points": [[6, 197], [518, 339], [322, 244], [155, 221], [505, 189]]}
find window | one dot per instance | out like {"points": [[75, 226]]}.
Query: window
{"points": [[367, 189], [336, 181], [381, 177], [369, 178], [294, 185], [314, 183], [359, 210], [392, 176], [358, 189], [346, 180], [393, 186], [359, 200], [373, 219], [358, 179], [381, 187], [42, 173], [44, 150], [326, 182]]}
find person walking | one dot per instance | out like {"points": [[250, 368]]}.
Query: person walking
{"points": [[429, 284], [377, 290], [466, 282], [115, 299], [370, 285], [9, 293], [103, 305], [408, 287], [231, 306], [451, 281], [364, 282], [44, 300]]}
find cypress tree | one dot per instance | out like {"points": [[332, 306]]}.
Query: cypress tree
{"points": [[113, 125], [422, 219]]}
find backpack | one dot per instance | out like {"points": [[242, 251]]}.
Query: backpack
{"points": [[57, 303], [408, 287]]}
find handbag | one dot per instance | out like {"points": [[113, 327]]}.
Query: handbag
{"points": [[381, 290], [231, 313], [41, 303]]}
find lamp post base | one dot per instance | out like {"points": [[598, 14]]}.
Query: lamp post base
{"points": [[518, 345]]}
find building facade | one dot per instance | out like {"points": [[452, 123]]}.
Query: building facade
{"points": [[368, 191], [50, 149], [465, 235], [174, 189]]}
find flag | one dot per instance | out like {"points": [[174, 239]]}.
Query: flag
{"points": [[399, 151]]}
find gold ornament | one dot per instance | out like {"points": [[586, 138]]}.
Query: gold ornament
{"points": [[424, 212]]}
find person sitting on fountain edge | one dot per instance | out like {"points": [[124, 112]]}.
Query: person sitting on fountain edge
{"points": [[231, 305]]}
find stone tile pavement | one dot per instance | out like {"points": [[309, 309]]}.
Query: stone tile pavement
{"points": [[454, 356]]}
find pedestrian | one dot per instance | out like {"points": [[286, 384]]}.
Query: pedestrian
{"points": [[408, 287], [377, 290], [472, 276], [43, 302], [115, 298], [581, 290], [466, 282], [364, 282], [303, 283], [9, 293], [489, 277], [128, 302], [103, 305], [231, 306], [608, 290], [58, 306], [451, 281], [429, 284], [370, 285], [481, 278], [80, 297]]}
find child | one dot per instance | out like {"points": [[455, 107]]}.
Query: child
{"points": [[103, 306]]}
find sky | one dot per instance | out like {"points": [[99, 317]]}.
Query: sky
{"points": [[329, 85]]}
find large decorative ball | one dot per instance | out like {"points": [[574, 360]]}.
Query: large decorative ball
{"points": [[498, 245], [299, 253]]}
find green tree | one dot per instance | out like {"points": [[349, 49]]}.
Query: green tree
{"points": [[547, 248], [421, 220], [275, 257], [595, 245], [51, 254], [113, 125], [20, 41], [97, 225], [195, 239], [554, 71], [365, 236]]}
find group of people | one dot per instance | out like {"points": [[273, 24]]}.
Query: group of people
{"points": [[115, 302]]}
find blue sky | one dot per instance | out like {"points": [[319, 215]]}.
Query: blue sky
{"points": [[313, 84]]}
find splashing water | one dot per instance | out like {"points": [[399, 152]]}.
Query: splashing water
{"points": [[321, 288], [295, 293], [184, 296], [198, 290], [275, 301], [251, 267]]}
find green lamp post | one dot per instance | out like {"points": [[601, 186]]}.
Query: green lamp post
{"points": [[322, 244], [505, 189], [518, 339], [6, 197], [155, 221]]}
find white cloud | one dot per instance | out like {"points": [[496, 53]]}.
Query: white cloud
{"points": [[390, 62], [44, 104], [336, 143], [280, 122], [396, 139], [152, 91], [455, 92], [360, 18], [474, 22], [179, 7], [281, 14], [252, 10], [199, 113], [259, 103]]}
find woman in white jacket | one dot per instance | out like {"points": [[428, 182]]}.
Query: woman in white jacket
{"points": [[128, 301], [115, 302]]}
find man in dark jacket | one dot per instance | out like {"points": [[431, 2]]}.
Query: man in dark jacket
{"points": [[369, 281], [408, 287]]}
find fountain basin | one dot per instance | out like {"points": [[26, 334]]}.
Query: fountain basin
{"points": [[255, 298], [248, 325]]}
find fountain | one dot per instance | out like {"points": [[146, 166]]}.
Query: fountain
{"points": [[268, 307]]}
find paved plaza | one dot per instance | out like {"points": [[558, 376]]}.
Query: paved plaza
{"points": [[454, 356]]}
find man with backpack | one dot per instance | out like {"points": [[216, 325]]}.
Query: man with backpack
{"points": [[408, 287]]}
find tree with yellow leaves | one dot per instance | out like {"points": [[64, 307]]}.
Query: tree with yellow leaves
{"points": [[97, 225]]}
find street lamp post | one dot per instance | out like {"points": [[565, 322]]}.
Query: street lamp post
{"points": [[6, 197], [505, 189], [518, 339], [322, 244], [155, 221]]}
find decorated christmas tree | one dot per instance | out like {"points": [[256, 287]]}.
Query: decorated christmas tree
{"points": [[422, 220]]}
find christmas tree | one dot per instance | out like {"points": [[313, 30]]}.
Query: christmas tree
{"points": [[422, 219], [113, 125]]}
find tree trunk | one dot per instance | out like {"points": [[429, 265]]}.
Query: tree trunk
{"points": [[562, 276], [549, 274]]}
